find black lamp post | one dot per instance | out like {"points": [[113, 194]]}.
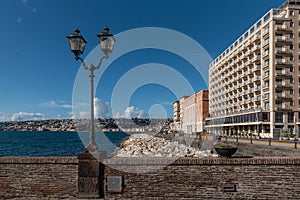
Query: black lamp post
{"points": [[77, 44]]}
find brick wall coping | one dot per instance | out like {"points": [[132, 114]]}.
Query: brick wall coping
{"points": [[38, 160], [205, 161], [157, 161]]}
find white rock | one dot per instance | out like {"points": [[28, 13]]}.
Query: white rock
{"points": [[144, 145]]}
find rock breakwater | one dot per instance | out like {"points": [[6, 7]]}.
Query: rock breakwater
{"points": [[144, 145]]}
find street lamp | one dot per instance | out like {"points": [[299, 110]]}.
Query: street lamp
{"points": [[77, 44]]}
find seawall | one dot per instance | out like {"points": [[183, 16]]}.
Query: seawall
{"points": [[186, 178], [38, 177]]}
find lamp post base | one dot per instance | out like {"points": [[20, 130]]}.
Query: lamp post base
{"points": [[90, 174], [92, 148]]}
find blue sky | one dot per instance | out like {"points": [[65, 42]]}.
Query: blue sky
{"points": [[37, 70]]}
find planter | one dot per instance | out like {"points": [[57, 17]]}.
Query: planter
{"points": [[226, 152]]}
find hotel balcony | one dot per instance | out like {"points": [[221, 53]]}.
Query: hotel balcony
{"points": [[266, 53], [280, 15], [257, 78], [256, 58], [255, 38], [256, 47], [266, 75], [282, 28], [256, 68], [283, 96], [264, 32], [247, 43], [257, 98], [266, 64], [282, 39], [266, 42], [283, 63], [283, 73], [283, 107], [265, 86], [283, 85], [282, 50], [257, 88]]}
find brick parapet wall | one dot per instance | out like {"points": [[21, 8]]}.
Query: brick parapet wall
{"points": [[192, 178], [184, 178], [38, 177]]}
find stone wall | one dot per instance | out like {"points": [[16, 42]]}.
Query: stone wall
{"points": [[253, 178], [38, 177], [186, 178]]}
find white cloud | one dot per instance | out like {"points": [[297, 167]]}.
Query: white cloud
{"points": [[21, 116], [55, 104], [131, 112], [102, 109], [79, 115], [82, 110], [72, 115]]}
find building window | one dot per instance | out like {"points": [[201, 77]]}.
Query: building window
{"points": [[291, 46], [278, 104], [267, 73], [278, 81], [267, 105], [290, 117], [291, 69], [279, 93], [291, 35], [291, 91], [266, 117], [267, 95], [292, 13], [278, 117], [278, 70], [267, 83], [291, 80], [291, 103], [292, 24], [253, 117], [259, 117]]}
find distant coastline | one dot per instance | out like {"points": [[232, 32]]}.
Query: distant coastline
{"points": [[72, 125], [39, 125]]}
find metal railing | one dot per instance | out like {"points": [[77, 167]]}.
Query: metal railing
{"points": [[290, 142]]}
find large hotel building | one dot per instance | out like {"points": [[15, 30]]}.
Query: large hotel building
{"points": [[254, 83]]}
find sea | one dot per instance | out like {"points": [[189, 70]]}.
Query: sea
{"points": [[49, 143]]}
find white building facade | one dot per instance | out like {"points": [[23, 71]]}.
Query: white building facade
{"points": [[254, 83]]}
